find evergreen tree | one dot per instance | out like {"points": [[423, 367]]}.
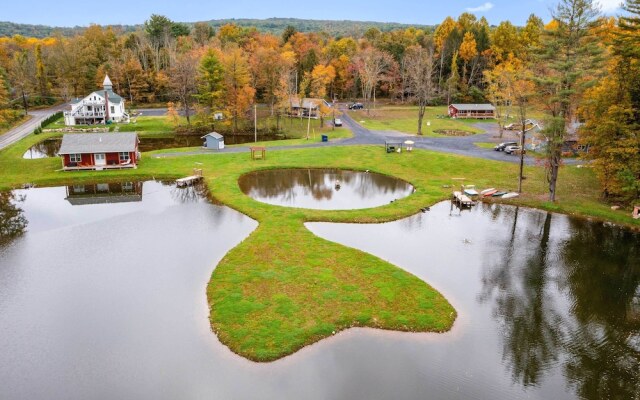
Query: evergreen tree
{"points": [[570, 54]]}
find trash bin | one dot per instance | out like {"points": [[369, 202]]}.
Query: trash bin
{"points": [[325, 138]]}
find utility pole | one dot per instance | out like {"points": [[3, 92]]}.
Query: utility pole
{"points": [[520, 177], [255, 123], [333, 125], [309, 120]]}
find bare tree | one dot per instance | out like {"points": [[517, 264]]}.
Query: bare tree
{"points": [[371, 64], [419, 64], [183, 81]]}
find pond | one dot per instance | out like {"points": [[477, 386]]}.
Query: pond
{"points": [[102, 295], [324, 189], [50, 147]]}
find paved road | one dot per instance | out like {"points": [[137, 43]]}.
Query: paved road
{"points": [[25, 129]]}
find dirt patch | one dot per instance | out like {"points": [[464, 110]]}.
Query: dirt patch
{"points": [[452, 132]]}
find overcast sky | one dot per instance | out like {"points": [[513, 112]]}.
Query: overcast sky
{"points": [[428, 12]]}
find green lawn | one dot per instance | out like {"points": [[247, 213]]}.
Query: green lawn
{"points": [[405, 119], [283, 287]]}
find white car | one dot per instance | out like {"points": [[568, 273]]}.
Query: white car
{"points": [[512, 149], [337, 122]]}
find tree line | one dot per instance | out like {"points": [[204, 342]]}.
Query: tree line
{"points": [[570, 68]]}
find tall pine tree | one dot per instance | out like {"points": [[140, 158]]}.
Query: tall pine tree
{"points": [[569, 55]]}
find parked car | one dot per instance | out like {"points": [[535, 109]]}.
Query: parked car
{"points": [[503, 145], [337, 122], [513, 150], [356, 106]]}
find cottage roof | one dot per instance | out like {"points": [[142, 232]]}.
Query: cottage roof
{"points": [[214, 135], [107, 81], [474, 107], [84, 143]]}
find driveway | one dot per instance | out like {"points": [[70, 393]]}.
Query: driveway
{"points": [[25, 129]]}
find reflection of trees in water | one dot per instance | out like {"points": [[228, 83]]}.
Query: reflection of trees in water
{"points": [[598, 338], [190, 193], [45, 148], [518, 284], [285, 184], [602, 272], [12, 220]]}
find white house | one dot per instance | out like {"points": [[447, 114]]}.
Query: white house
{"points": [[99, 107]]}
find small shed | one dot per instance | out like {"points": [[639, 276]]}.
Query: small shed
{"points": [[213, 141]]}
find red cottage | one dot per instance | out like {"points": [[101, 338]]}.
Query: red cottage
{"points": [[99, 151]]}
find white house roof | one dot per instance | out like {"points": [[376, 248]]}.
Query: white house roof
{"points": [[474, 107], [113, 97], [214, 135], [85, 143], [107, 81]]}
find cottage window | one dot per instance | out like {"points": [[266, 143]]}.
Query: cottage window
{"points": [[124, 156], [75, 158], [113, 110]]}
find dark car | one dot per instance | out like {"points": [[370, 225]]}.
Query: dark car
{"points": [[356, 106], [503, 145]]}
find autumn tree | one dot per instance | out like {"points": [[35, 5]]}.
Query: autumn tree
{"points": [[238, 92], [612, 112], [565, 65], [202, 33], [41, 74], [21, 75], [419, 64], [182, 82], [370, 65], [467, 52], [454, 79]]}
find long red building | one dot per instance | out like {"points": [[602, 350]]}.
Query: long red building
{"points": [[99, 151]]}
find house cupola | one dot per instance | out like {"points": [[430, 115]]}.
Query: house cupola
{"points": [[107, 85]]}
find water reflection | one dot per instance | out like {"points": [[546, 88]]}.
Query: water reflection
{"points": [[12, 220], [103, 193], [44, 149], [556, 297], [327, 189]]}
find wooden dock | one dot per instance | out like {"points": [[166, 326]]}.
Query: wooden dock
{"points": [[462, 199], [190, 180]]}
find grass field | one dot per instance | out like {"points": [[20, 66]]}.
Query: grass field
{"points": [[283, 288], [405, 119]]}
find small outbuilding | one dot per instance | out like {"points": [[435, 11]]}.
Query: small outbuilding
{"points": [[478, 111], [99, 151], [213, 141]]}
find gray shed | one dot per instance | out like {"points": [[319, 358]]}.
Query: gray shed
{"points": [[213, 140]]}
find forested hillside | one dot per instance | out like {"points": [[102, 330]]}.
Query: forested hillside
{"points": [[271, 25]]}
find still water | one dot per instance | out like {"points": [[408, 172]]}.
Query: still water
{"points": [[102, 296], [324, 189]]}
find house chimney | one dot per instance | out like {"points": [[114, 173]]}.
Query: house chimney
{"points": [[108, 86]]}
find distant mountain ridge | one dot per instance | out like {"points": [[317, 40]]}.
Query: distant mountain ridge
{"points": [[269, 25]]}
